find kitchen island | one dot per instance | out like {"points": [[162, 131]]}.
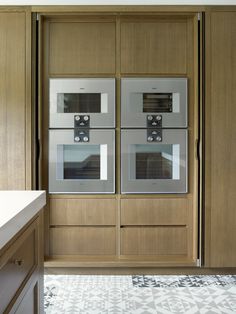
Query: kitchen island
{"points": [[21, 251]]}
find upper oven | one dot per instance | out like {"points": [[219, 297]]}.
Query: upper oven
{"points": [[88, 102], [154, 102]]}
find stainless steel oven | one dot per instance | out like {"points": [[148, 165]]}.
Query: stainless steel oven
{"points": [[81, 161], [89, 98], [154, 161], [153, 102]]}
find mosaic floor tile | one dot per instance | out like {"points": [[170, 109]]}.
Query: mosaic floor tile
{"points": [[74, 294]]}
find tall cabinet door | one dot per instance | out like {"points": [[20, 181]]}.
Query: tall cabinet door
{"points": [[15, 99], [220, 145]]}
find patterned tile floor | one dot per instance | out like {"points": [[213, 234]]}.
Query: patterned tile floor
{"points": [[72, 294]]}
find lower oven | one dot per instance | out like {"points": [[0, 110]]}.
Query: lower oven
{"points": [[81, 161], [154, 161]]}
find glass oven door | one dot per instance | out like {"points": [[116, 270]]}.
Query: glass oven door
{"points": [[155, 97], [151, 166], [81, 167], [94, 97]]}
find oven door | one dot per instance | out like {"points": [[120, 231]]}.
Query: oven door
{"points": [[94, 97], [84, 167], [152, 166], [161, 101]]}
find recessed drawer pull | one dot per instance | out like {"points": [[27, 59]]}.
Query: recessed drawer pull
{"points": [[18, 262]]}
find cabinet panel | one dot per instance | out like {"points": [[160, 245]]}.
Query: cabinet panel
{"points": [[83, 241], [12, 100], [156, 46], [82, 47], [220, 143], [82, 211], [30, 301], [16, 269], [154, 211], [153, 241]]}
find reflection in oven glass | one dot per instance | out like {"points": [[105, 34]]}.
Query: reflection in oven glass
{"points": [[155, 161], [157, 102], [75, 102], [81, 162]]}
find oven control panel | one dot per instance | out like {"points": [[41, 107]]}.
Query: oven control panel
{"points": [[154, 136], [81, 121], [81, 135], [154, 121]]}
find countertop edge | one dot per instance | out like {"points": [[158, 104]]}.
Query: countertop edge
{"points": [[16, 223]]}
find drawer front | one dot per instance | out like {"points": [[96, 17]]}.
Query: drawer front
{"points": [[14, 272], [153, 241], [83, 211], [83, 241], [154, 211]]}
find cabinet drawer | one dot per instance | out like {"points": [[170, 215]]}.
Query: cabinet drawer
{"points": [[154, 211], [83, 240], [153, 241], [82, 211], [20, 263]]}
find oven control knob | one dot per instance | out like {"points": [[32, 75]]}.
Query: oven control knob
{"points": [[150, 138], [85, 139], [86, 118], [77, 139], [158, 139], [150, 118], [158, 118], [77, 118]]}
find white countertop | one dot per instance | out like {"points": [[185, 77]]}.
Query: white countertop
{"points": [[16, 210]]}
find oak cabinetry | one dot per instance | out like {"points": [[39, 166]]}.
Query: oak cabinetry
{"points": [[90, 212], [162, 211], [220, 145], [15, 99], [82, 226], [157, 228], [154, 45], [21, 270], [99, 240], [154, 240], [82, 46]]}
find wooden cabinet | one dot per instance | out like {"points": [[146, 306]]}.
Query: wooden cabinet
{"points": [[21, 271], [122, 45], [220, 143], [82, 46], [82, 226], [154, 240], [15, 99], [157, 44]]}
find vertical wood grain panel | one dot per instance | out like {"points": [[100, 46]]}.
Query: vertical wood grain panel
{"points": [[78, 47], [221, 139], [12, 100], [154, 47]]}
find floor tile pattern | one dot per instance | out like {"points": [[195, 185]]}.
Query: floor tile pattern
{"points": [[72, 294]]}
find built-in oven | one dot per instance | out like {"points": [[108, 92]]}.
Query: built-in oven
{"points": [[154, 161], [153, 102], [91, 100], [81, 161]]}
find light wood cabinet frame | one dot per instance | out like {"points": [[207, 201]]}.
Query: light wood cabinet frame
{"points": [[191, 71]]}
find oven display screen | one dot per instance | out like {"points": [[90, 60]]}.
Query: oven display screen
{"points": [[157, 102], [76, 103]]}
